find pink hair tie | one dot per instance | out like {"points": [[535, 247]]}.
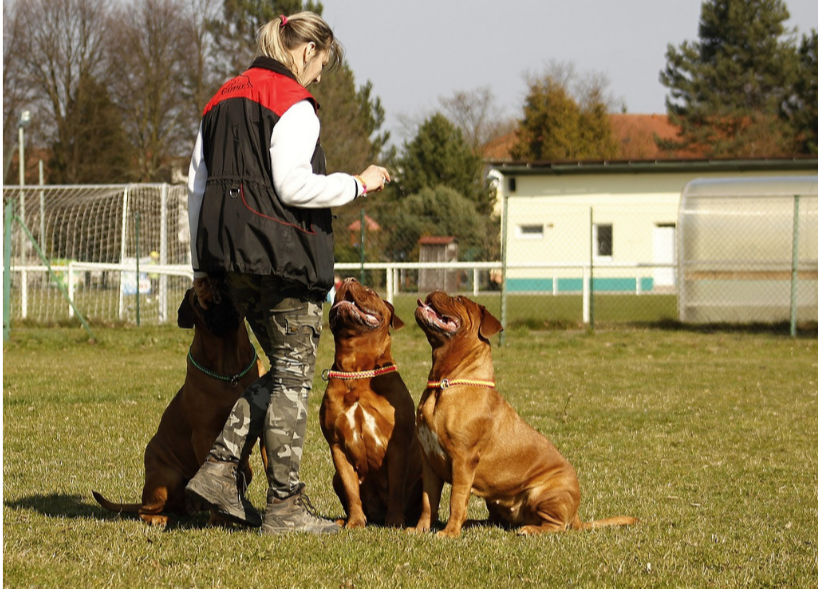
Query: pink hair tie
{"points": [[283, 20]]}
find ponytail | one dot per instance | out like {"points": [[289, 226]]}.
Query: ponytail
{"points": [[284, 33]]}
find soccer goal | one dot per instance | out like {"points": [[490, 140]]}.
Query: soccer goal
{"points": [[120, 252]]}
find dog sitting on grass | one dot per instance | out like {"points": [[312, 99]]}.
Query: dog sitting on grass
{"points": [[221, 363], [474, 440]]}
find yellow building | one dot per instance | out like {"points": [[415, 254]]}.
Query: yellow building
{"points": [[616, 218]]}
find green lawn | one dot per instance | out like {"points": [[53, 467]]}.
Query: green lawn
{"points": [[708, 438], [538, 311]]}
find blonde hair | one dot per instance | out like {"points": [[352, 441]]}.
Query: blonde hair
{"points": [[284, 33]]}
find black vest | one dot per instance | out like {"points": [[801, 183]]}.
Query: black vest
{"points": [[243, 225]]}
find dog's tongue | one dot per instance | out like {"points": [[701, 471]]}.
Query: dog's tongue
{"points": [[427, 308], [370, 318]]}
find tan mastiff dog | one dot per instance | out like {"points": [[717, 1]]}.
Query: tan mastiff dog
{"points": [[221, 363], [474, 440], [367, 415]]}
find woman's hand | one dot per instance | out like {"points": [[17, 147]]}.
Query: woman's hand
{"points": [[375, 178], [203, 290]]}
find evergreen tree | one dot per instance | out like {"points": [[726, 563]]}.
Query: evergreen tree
{"points": [[803, 108], [350, 121], [235, 33], [439, 156], [727, 89], [94, 148], [596, 133], [555, 126], [436, 211]]}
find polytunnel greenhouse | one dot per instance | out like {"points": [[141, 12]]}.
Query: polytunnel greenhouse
{"points": [[747, 250]]}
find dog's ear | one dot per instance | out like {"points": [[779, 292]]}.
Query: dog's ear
{"points": [[396, 321], [186, 318], [489, 325]]}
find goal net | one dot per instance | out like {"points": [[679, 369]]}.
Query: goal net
{"points": [[94, 238]]}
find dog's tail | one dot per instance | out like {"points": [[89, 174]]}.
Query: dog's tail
{"points": [[117, 507], [620, 520]]}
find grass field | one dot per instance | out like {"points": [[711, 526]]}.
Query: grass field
{"points": [[708, 438]]}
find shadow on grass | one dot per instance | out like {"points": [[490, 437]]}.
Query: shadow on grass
{"points": [[806, 331], [59, 505], [56, 505], [809, 330]]}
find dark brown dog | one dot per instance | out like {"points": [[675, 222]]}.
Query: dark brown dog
{"points": [[474, 440], [221, 364], [368, 416]]}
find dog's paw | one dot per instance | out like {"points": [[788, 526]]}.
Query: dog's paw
{"points": [[535, 530], [446, 533], [159, 521], [355, 524]]}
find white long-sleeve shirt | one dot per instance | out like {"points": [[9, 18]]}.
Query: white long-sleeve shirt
{"points": [[291, 148]]}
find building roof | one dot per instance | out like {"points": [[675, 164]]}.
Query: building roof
{"points": [[371, 224], [639, 154], [636, 134], [436, 240], [799, 163], [499, 148]]}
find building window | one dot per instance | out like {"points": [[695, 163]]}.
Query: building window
{"points": [[603, 241], [530, 231], [512, 184]]}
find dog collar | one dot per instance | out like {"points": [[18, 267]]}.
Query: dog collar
{"points": [[233, 380], [446, 383], [328, 374]]}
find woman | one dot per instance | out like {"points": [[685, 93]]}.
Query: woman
{"points": [[261, 228]]}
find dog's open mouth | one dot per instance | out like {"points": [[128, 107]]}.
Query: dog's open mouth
{"points": [[351, 309], [437, 320]]}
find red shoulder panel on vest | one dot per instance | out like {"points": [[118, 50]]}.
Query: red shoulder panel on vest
{"points": [[270, 89]]}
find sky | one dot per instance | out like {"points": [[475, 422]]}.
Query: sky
{"points": [[416, 51]]}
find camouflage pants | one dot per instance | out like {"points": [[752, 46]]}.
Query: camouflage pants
{"points": [[288, 328]]}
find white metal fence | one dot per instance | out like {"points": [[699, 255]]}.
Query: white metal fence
{"points": [[121, 254]]}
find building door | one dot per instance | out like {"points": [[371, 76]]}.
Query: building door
{"points": [[664, 252]]}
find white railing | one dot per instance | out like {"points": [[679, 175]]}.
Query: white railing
{"points": [[391, 269], [71, 270], [641, 270]]}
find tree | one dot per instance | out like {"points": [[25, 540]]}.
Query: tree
{"points": [[235, 33], [350, 121], [727, 89], [200, 80], [477, 116], [99, 151], [17, 95], [152, 55], [802, 110], [57, 48], [435, 211], [438, 155], [565, 118]]}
